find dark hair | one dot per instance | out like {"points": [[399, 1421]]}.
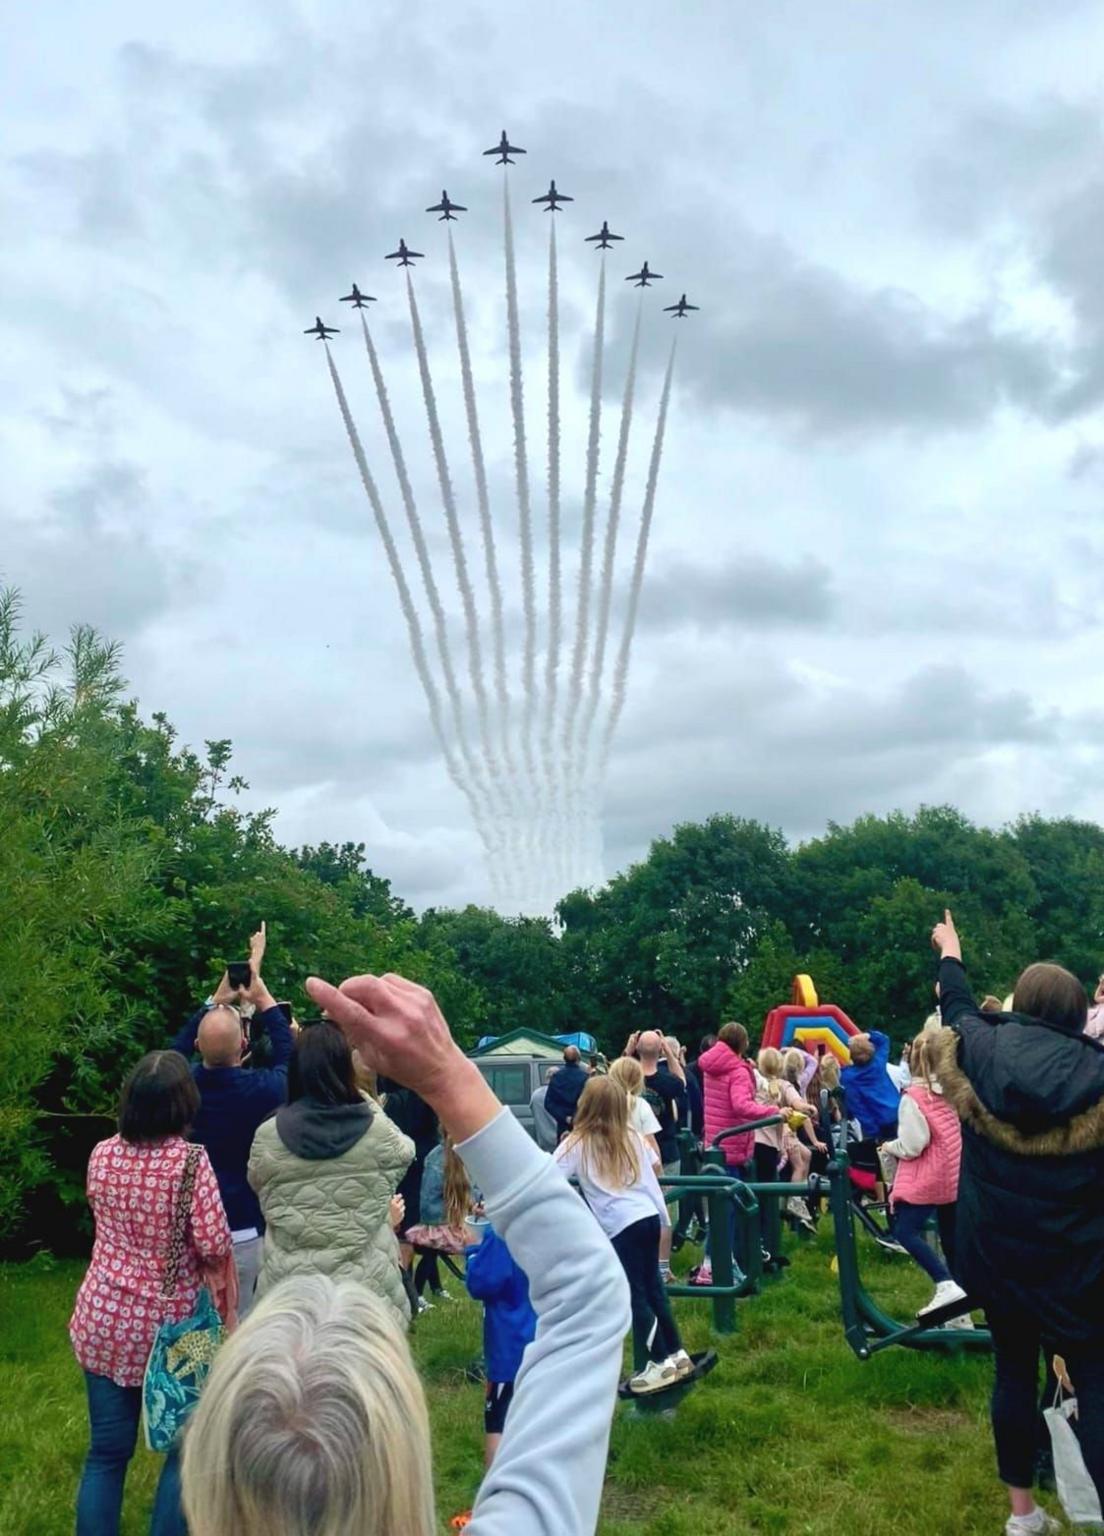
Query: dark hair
{"points": [[1051, 993], [707, 1043], [321, 1067], [735, 1036], [159, 1098]]}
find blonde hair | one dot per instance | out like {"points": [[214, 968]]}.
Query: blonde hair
{"points": [[627, 1071], [829, 1070], [862, 1050], [601, 1132], [770, 1066], [922, 1058], [793, 1063], [312, 1423], [457, 1190]]}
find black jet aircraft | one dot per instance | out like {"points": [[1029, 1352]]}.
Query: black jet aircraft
{"points": [[404, 255], [446, 208], [357, 299], [681, 309], [643, 277], [319, 331], [553, 199], [604, 236], [504, 149]]}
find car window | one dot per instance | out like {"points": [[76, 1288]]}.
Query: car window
{"points": [[510, 1083]]}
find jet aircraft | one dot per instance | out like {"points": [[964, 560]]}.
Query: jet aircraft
{"points": [[357, 299], [319, 331], [404, 255], [643, 277], [553, 199], [504, 149], [681, 309], [604, 236], [447, 208]]}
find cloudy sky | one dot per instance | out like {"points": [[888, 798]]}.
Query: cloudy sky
{"points": [[877, 561]]}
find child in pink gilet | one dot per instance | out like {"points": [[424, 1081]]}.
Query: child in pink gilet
{"points": [[927, 1152]]}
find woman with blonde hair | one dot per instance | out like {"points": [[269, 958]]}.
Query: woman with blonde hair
{"points": [[627, 1071], [313, 1420], [614, 1169]]}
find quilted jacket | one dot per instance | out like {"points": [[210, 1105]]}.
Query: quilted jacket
{"points": [[328, 1214]]}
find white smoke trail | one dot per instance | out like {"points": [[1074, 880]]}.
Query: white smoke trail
{"points": [[617, 491], [448, 501], [621, 669], [421, 550], [590, 497], [413, 626], [554, 595], [490, 556], [521, 467]]}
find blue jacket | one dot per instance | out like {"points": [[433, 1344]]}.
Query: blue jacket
{"points": [[872, 1096], [233, 1102], [509, 1322]]}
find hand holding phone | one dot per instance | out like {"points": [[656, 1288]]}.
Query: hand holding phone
{"points": [[239, 974]]}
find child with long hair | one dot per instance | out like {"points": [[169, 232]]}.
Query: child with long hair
{"points": [[447, 1200], [924, 1161], [613, 1166], [799, 1138], [627, 1071], [777, 1094]]}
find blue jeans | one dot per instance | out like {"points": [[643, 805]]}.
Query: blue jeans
{"points": [[908, 1226], [113, 1414]]}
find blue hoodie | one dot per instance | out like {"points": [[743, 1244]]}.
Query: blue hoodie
{"points": [[509, 1322], [873, 1098]]}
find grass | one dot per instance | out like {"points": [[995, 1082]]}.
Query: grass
{"points": [[790, 1434]]}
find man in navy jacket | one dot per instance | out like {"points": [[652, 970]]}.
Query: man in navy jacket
{"points": [[233, 1102]]}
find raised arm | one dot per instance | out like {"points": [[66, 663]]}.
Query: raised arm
{"points": [[547, 1477], [956, 1001]]}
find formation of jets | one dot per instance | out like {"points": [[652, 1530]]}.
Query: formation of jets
{"points": [[319, 331], [504, 149], [644, 277], [404, 255], [446, 209], [603, 237], [553, 199]]}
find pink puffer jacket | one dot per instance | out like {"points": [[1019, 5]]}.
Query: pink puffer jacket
{"points": [[729, 1084]]}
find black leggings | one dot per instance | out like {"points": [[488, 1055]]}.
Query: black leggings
{"points": [[427, 1272], [655, 1333], [1016, 1344]]}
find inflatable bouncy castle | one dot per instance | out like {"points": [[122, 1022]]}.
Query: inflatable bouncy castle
{"points": [[810, 1024]]}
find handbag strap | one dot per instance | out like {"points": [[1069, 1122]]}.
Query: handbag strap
{"points": [[180, 1222]]}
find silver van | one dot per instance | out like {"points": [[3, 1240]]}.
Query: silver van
{"points": [[515, 1079]]}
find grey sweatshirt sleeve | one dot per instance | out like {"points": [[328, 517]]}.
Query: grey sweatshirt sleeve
{"points": [[547, 1477]]}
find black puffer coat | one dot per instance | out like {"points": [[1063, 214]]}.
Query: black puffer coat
{"points": [[1030, 1225]]}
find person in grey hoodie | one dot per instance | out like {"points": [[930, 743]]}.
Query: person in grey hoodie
{"points": [[329, 1357], [324, 1169]]}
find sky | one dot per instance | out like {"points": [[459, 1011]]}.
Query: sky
{"points": [[877, 553]]}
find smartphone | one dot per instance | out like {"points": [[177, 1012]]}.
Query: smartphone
{"points": [[238, 973], [285, 1009]]}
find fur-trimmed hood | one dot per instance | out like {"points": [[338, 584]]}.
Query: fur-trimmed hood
{"points": [[1048, 1108]]}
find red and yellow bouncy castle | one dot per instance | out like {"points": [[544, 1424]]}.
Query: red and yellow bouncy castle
{"points": [[808, 1023]]}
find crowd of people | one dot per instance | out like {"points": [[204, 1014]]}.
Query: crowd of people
{"points": [[313, 1177]]}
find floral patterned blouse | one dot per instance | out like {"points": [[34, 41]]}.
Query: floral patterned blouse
{"points": [[132, 1189]]}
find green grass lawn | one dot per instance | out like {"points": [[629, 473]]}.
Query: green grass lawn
{"points": [[789, 1434]]}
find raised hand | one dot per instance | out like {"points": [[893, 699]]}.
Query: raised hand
{"points": [[257, 949], [945, 938]]}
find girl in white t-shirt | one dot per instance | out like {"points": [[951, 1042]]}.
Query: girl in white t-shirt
{"points": [[627, 1071], [613, 1166]]}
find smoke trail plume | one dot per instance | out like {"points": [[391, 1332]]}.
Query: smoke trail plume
{"points": [[448, 501], [621, 669], [554, 594], [490, 556], [521, 466], [617, 491], [413, 626], [590, 496]]}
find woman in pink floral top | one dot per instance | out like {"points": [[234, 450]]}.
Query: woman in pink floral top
{"points": [[133, 1184]]}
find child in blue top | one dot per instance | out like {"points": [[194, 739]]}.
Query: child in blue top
{"points": [[509, 1322]]}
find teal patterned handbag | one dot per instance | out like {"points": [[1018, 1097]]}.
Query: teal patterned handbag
{"points": [[182, 1352]]}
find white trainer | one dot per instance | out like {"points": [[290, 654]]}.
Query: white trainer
{"points": [[945, 1292], [656, 1375]]}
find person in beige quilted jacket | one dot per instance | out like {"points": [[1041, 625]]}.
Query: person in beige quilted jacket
{"points": [[324, 1169]]}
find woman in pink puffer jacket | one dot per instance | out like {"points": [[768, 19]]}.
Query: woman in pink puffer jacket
{"points": [[728, 1086]]}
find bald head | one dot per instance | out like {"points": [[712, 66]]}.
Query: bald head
{"points": [[571, 1056], [220, 1038], [648, 1046]]}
